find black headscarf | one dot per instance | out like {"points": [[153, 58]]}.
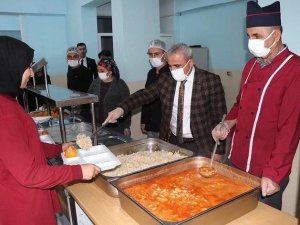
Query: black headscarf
{"points": [[15, 58], [111, 65]]}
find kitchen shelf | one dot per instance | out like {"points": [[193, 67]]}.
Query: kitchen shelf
{"points": [[61, 97]]}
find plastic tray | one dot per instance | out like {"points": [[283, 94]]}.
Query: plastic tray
{"points": [[47, 139], [99, 155], [41, 119]]}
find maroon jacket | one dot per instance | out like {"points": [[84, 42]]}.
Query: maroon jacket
{"points": [[27, 193], [276, 133]]}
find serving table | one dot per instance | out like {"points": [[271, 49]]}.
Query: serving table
{"points": [[103, 209], [61, 97]]}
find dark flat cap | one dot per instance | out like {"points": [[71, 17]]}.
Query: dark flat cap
{"points": [[267, 16]]}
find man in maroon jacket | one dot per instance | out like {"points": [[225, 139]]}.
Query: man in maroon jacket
{"points": [[266, 115]]}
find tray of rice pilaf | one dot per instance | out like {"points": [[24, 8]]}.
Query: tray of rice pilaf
{"points": [[138, 156]]}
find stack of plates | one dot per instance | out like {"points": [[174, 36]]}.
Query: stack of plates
{"points": [[46, 139], [41, 119], [99, 155]]}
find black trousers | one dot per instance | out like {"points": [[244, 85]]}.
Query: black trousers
{"points": [[274, 200], [188, 144]]}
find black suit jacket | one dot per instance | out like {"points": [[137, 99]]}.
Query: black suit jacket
{"points": [[80, 78], [207, 108], [92, 66]]}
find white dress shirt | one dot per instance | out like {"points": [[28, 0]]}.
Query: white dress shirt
{"points": [[186, 107], [84, 62]]}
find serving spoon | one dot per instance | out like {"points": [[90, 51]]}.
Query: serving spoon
{"points": [[209, 171], [99, 129]]}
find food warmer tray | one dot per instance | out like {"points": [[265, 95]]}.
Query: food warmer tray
{"points": [[220, 214], [148, 144]]}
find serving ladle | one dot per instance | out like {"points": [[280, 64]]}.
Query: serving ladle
{"points": [[210, 171], [99, 129]]}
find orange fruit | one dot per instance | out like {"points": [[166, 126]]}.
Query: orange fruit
{"points": [[45, 132], [70, 152]]}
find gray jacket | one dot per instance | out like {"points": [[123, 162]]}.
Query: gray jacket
{"points": [[114, 96]]}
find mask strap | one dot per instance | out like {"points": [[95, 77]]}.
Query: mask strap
{"points": [[186, 64], [269, 35], [190, 67], [161, 58]]}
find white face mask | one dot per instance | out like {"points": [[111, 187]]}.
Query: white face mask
{"points": [[73, 62], [257, 47], [178, 74], [103, 76], [156, 62]]}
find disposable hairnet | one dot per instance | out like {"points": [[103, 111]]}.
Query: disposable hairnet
{"points": [[157, 44], [72, 49]]}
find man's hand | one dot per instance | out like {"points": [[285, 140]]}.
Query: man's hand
{"points": [[127, 132], [268, 187], [89, 171], [218, 158], [143, 128], [66, 145], [221, 131], [114, 115]]}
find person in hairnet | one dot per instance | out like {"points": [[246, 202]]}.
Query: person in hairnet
{"points": [[266, 115], [27, 182], [151, 113], [79, 77]]}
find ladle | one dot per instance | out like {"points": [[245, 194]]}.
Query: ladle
{"points": [[99, 129], [209, 171]]}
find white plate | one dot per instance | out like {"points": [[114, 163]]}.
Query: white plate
{"points": [[70, 161], [99, 155], [46, 139], [41, 119], [105, 161], [97, 149]]}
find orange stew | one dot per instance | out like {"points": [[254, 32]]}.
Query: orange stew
{"points": [[179, 196]]}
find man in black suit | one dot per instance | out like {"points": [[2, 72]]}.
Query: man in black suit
{"points": [[86, 61]]}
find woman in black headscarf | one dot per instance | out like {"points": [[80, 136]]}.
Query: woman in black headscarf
{"points": [[26, 181]]}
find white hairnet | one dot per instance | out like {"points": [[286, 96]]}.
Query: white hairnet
{"points": [[157, 44], [72, 49]]}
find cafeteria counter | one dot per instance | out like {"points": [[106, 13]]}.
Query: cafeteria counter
{"points": [[103, 209]]}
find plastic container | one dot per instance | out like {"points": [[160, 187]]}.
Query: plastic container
{"points": [[99, 155]]}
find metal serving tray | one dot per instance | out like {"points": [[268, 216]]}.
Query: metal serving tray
{"points": [[220, 214], [148, 144], [72, 130]]}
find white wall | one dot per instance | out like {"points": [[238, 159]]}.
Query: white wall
{"points": [[219, 27], [135, 23]]}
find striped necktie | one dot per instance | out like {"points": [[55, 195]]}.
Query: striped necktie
{"points": [[179, 132]]}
